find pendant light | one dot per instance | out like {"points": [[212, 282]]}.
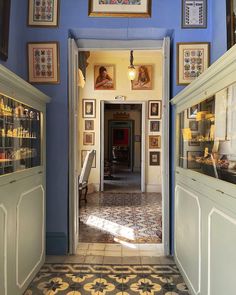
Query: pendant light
{"points": [[131, 68]]}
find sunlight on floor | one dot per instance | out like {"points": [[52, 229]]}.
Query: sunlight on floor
{"points": [[111, 227]]}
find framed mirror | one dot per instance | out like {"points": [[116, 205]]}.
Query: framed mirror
{"points": [[231, 22]]}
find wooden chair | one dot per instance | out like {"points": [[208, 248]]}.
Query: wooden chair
{"points": [[83, 177]]}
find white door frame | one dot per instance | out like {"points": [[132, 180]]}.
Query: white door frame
{"points": [[102, 45], [143, 140]]}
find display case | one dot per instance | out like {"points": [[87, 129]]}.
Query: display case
{"points": [[20, 136], [207, 136]]}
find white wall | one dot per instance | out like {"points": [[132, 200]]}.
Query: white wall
{"points": [[123, 87]]}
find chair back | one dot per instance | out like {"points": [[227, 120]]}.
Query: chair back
{"points": [[88, 162]]}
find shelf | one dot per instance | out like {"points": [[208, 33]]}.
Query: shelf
{"points": [[18, 137], [14, 160]]}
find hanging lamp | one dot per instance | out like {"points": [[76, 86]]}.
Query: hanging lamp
{"points": [[131, 68]]}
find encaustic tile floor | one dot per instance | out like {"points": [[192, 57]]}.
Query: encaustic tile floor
{"points": [[94, 279], [116, 217]]}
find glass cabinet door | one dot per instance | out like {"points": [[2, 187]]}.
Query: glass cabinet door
{"points": [[20, 136], [207, 136]]}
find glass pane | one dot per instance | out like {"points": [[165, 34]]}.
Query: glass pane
{"points": [[208, 136], [20, 144]]}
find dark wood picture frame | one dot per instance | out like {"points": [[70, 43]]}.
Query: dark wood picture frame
{"points": [[231, 23], [130, 14], [5, 6], [154, 158], [184, 15]]}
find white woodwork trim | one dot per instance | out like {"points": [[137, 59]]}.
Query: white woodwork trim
{"points": [[16, 86], [230, 219], [219, 75], [26, 194], [3, 208], [196, 292]]}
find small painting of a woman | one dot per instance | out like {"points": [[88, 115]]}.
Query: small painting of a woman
{"points": [[143, 80], [104, 77]]}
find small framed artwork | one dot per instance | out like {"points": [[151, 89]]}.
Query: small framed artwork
{"points": [[192, 157], [43, 13], [194, 141], [83, 156], [89, 124], [154, 141], [193, 125], [154, 126], [192, 112], [104, 77], [143, 79], [120, 8], [192, 60], [43, 62], [194, 14], [88, 138], [231, 22], [5, 6], [154, 158], [154, 109], [89, 108]]}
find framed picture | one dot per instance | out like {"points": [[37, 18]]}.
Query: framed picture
{"points": [[194, 141], [4, 28], [191, 159], [194, 14], [231, 22], [143, 79], [193, 125], [192, 111], [120, 8], [89, 124], [83, 155], [43, 13], [192, 60], [154, 142], [154, 109], [88, 138], [154, 158], [154, 126], [89, 108], [104, 76], [43, 62]]}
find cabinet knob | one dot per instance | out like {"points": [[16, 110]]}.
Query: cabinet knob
{"points": [[219, 191]]}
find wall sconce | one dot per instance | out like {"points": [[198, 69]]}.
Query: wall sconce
{"points": [[131, 68]]}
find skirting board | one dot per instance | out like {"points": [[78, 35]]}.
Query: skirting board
{"points": [[56, 243], [153, 188]]}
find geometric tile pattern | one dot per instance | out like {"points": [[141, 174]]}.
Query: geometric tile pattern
{"points": [[82, 279], [129, 217]]}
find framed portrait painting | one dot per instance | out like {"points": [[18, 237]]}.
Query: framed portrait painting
{"points": [[154, 142], [104, 77], [154, 109], [192, 60], [194, 14], [154, 158], [4, 28], [83, 156], [89, 124], [43, 62], [88, 138], [143, 79], [154, 126], [42, 13], [120, 8], [89, 108]]}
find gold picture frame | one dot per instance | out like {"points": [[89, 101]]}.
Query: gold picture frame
{"points": [[43, 14], [123, 9], [43, 62], [193, 58], [154, 141], [88, 138]]}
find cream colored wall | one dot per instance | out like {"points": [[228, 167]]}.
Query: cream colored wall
{"points": [[123, 87], [136, 117]]}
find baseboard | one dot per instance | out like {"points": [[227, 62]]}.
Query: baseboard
{"points": [[56, 243], [153, 188], [93, 187]]}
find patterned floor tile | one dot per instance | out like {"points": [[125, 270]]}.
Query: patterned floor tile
{"points": [[131, 217], [85, 279]]}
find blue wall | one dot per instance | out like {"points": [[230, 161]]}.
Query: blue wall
{"points": [[166, 15]]}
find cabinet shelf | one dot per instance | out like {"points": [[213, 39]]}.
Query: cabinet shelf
{"points": [[19, 137]]}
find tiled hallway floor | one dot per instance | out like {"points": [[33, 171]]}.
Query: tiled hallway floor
{"points": [[108, 279], [121, 217]]}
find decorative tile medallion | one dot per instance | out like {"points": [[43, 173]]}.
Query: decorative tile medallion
{"points": [[81, 279]]}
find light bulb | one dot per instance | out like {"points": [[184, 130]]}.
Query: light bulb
{"points": [[131, 73]]}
